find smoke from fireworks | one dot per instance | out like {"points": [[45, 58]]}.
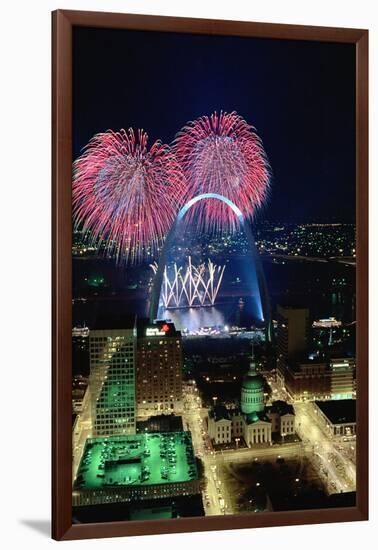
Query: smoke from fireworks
{"points": [[222, 154], [126, 196]]}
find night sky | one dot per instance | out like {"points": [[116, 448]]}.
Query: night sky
{"points": [[299, 96]]}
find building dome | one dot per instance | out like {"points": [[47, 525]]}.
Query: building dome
{"points": [[252, 392], [254, 382]]}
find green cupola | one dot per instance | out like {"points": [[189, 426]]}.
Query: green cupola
{"points": [[252, 391]]}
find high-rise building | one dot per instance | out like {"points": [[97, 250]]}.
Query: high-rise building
{"points": [[292, 334], [80, 346], [159, 367], [112, 381]]}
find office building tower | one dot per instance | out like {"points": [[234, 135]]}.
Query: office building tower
{"points": [[292, 333], [159, 368], [112, 381]]}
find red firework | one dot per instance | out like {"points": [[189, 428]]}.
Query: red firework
{"points": [[222, 154], [126, 196]]}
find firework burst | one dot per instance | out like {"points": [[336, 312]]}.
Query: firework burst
{"points": [[126, 196], [222, 154]]}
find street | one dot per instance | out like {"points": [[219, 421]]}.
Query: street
{"points": [[193, 418], [333, 457], [338, 471], [82, 432]]}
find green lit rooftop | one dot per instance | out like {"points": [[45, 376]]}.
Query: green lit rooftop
{"points": [[139, 460]]}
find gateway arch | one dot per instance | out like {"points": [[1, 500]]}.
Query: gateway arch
{"points": [[261, 298]]}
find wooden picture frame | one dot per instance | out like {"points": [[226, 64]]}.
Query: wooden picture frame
{"points": [[62, 25]]}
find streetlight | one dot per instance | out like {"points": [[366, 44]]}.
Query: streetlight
{"points": [[237, 439]]}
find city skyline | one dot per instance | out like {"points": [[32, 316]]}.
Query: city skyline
{"points": [[214, 351]]}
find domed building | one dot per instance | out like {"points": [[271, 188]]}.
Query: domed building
{"points": [[253, 421], [254, 425], [252, 392]]}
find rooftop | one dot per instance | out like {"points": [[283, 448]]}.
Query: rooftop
{"points": [[339, 411], [158, 328], [253, 382], [160, 423], [139, 460], [219, 412], [256, 416], [280, 407]]}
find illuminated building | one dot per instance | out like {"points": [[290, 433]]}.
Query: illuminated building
{"points": [[80, 347], [79, 392], [306, 380], [136, 468], [220, 425], [330, 322], [338, 416], [159, 368], [112, 381], [253, 421], [282, 416], [342, 377], [80, 332], [312, 380], [252, 392], [76, 432]]}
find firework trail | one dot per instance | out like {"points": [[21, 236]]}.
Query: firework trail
{"points": [[222, 154], [126, 196]]}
